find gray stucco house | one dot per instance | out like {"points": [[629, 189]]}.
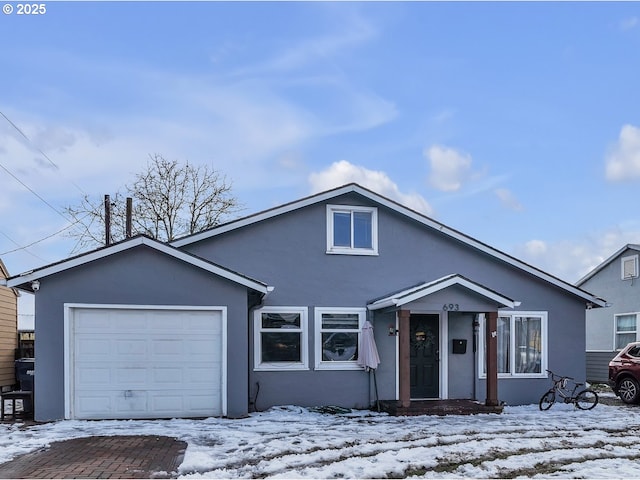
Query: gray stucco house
{"points": [[268, 310], [610, 329]]}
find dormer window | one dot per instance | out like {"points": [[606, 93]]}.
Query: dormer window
{"points": [[352, 230], [629, 267]]}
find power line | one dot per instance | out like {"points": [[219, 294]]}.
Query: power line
{"points": [[39, 150], [38, 241], [28, 140], [33, 191], [21, 248]]}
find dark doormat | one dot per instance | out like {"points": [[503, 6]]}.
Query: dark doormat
{"points": [[134, 456]]}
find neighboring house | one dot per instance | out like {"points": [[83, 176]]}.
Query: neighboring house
{"points": [[610, 329], [8, 332], [268, 310]]}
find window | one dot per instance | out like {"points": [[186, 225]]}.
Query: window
{"points": [[337, 335], [634, 351], [629, 267], [280, 338], [626, 329], [522, 345], [352, 230]]}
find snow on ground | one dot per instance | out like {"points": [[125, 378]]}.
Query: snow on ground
{"points": [[292, 442]]}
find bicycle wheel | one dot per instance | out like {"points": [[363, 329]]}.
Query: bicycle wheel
{"points": [[586, 399], [547, 400]]}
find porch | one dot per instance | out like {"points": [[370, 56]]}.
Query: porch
{"points": [[438, 407], [444, 329]]}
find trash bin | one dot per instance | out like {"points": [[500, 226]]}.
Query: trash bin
{"points": [[24, 373]]}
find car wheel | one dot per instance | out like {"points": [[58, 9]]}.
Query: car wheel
{"points": [[628, 390]]}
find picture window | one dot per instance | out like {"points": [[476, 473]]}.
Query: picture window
{"points": [[521, 345]]}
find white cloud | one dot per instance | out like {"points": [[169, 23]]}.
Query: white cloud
{"points": [[342, 172], [362, 111], [350, 32], [245, 126], [535, 247], [508, 199], [73, 156], [240, 121], [313, 62], [623, 161], [571, 259], [449, 167], [321, 48], [235, 128]]}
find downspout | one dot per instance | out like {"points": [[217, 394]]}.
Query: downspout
{"points": [[252, 402]]}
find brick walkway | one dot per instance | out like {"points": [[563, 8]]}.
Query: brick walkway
{"points": [[101, 457]]}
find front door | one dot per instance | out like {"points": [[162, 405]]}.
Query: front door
{"points": [[424, 349]]}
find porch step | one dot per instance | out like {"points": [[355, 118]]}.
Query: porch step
{"points": [[438, 407]]}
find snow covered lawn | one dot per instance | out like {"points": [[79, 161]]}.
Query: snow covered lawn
{"points": [[291, 442]]}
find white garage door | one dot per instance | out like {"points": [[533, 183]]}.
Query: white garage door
{"points": [[146, 363]]}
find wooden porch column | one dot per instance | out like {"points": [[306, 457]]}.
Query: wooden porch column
{"points": [[491, 335], [403, 357]]}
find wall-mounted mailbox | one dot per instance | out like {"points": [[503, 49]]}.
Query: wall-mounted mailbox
{"points": [[459, 345]]}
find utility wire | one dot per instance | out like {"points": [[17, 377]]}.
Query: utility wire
{"points": [[33, 243], [33, 191], [38, 241], [39, 150], [21, 248], [21, 133]]}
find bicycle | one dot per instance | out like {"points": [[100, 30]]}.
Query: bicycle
{"points": [[585, 399]]}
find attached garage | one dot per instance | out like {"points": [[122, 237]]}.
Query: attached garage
{"points": [[140, 329], [130, 361]]}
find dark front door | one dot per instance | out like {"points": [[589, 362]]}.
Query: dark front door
{"points": [[424, 349]]}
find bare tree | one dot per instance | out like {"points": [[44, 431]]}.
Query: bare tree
{"points": [[170, 200]]}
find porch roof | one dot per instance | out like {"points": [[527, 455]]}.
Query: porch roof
{"points": [[424, 289]]}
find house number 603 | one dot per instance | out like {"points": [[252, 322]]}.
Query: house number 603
{"points": [[451, 307]]}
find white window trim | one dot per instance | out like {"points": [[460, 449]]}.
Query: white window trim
{"points": [[635, 267], [512, 340], [615, 328], [331, 249], [303, 364], [325, 365]]}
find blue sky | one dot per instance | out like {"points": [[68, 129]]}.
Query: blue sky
{"points": [[515, 123]]}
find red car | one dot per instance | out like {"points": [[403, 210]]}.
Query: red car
{"points": [[624, 373]]}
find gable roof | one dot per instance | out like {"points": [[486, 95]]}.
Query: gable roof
{"points": [[24, 280], [424, 289], [592, 273], [401, 209]]}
